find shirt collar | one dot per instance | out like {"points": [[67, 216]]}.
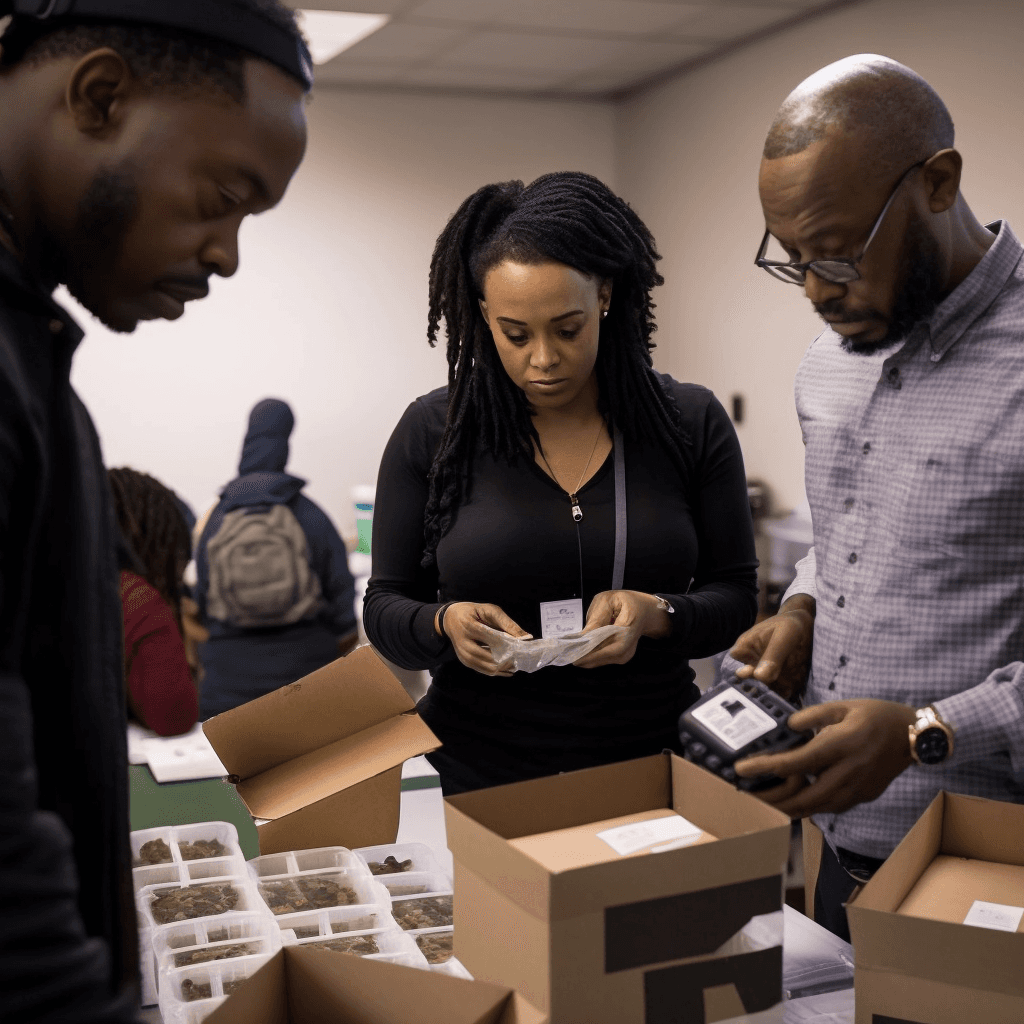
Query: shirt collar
{"points": [[976, 292], [20, 289]]}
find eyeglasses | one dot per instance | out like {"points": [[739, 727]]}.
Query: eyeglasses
{"points": [[841, 270]]}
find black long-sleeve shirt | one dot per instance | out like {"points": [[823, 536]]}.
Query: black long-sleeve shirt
{"points": [[68, 948], [513, 543]]}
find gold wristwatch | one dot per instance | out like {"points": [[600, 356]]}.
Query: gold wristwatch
{"points": [[931, 739]]}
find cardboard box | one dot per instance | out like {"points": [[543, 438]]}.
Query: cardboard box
{"points": [[310, 986], [321, 759], [916, 961], [594, 937]]}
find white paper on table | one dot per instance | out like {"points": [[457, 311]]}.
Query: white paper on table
{"points": [[181, 758], [531, 655], [994, 915], [628, 839], [138, 736]]}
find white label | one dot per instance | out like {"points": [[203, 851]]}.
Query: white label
{"points": [[557, 618], [994, 915], [734, 719], [675, 831]]}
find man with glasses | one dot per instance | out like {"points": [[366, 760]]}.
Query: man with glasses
{"points": [[904, 630]]}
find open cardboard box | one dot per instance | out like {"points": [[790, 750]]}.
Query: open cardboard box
{"points": [[916, 961], [315, 986], [321, 759], [591, 936]]}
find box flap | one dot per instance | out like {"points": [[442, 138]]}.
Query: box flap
{"points": [[984, 829], [345, 762], [339, 700], [325, 986], [362, 815], [519, 1011], [573, 798]]}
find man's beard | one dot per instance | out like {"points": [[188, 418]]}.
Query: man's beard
{"points": [[917, 295], [89, 256]]}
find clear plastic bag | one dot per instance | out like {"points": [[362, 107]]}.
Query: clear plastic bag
{"points": [[531, 655]]}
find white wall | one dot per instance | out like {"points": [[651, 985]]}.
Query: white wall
{"points": [[688, 159], [328, 310]]}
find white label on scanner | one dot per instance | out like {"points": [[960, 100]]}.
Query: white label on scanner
{"points": [[994, 915], [557, 618], [734, 718], [631, 838]]}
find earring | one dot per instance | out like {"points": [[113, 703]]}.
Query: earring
{"points": [[604, 313]]}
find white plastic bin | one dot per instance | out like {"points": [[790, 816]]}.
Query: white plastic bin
{"points": [[419, 854]]}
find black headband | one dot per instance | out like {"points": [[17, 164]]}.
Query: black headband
{"points": [[247, 29]]}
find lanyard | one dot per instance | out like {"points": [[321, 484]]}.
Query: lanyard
{"points": [[619, 563]]}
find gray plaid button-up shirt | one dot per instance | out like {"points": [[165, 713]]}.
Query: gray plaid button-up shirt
{"points": [[914, 469]]}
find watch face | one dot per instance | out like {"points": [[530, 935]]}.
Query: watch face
{"points": [[932, 746]]}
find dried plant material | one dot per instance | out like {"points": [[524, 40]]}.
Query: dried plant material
{"points": [[192, 901], [297, 894], [357, 945], [430, 912], [230, 987], [307, 931], [217, 934], [389, 866], [192, 990], [202, 956], [407, 890], [156, 851], [201, 849], [436, 948], [359, 924]]}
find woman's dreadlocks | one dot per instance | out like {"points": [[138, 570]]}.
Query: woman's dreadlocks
{"points": [[154, 527], [566, 217]]}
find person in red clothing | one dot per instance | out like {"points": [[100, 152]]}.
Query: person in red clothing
{"points": [[161, 692]]}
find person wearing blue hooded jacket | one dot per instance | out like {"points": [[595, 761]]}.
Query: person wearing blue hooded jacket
{"points": [[242, 662]]}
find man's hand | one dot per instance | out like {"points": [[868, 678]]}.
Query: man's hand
{"points": [[464, 624], [861, 747], [777, 651], [638, 612]]}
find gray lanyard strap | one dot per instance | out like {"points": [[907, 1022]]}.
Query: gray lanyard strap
{"points": [[619, 565]]}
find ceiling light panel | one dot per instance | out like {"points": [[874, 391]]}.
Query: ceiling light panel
{"points": [[557, 55], [331, 32], [631, 17]]}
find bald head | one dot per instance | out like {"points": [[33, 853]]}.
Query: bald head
{"points": [[889, 109]]}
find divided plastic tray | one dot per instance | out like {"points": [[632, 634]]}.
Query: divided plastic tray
{"points": [[422, 858], [178, 869], [217, 978], [210, 939], [324, 924], [248, 899], [436, 905], [393, 945]]}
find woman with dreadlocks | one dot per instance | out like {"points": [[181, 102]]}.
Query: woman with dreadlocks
{"points": [[557, 473], [161, 693]]}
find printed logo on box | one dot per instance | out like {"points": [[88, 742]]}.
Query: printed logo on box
{"points": [[734, 718]]}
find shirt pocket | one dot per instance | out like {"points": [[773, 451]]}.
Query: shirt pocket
{"points": [[963, 504]]}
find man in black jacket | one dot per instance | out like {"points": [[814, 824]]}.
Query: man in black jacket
{"points": [[131, 147]]}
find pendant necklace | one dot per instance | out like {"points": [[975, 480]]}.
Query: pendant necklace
{"points": [[577, 512]]}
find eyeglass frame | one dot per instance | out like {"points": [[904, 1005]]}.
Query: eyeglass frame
{"points": [[846, 261]]}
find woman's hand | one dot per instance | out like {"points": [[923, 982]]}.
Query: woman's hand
{"points": [[464, 624], [639, 613]]}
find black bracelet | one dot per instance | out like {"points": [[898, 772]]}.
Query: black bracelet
{"points": [[440, 618]]}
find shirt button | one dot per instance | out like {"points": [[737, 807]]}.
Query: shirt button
{"points": [[832, 685], [841, 602], [842, 659], [831, 827], [853, 557], [867, 447], [848, 504], [56, 326], [894, 374]]}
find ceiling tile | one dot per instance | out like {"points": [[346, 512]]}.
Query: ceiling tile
{"points": [[559, 56], [630, 17], [398, 42], [336, 72], [478, 78], [729, 21]]}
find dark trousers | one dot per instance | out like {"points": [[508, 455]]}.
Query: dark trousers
{"points": [[836, 885]]}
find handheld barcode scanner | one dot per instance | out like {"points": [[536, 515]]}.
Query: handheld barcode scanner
{"points": [[737, 720]]}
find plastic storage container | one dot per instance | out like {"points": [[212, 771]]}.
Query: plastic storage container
{"points": [[337, 921], [392, 944], [301, 862], [153, 912], [415, 883], [180, 841], [421, 857], [211, 939], [435, 908], [189, 994]]}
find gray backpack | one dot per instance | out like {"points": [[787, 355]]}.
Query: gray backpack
{"points": [[259, 570]]}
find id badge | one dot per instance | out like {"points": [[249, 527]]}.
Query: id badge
{"points": [[557, 618]]}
